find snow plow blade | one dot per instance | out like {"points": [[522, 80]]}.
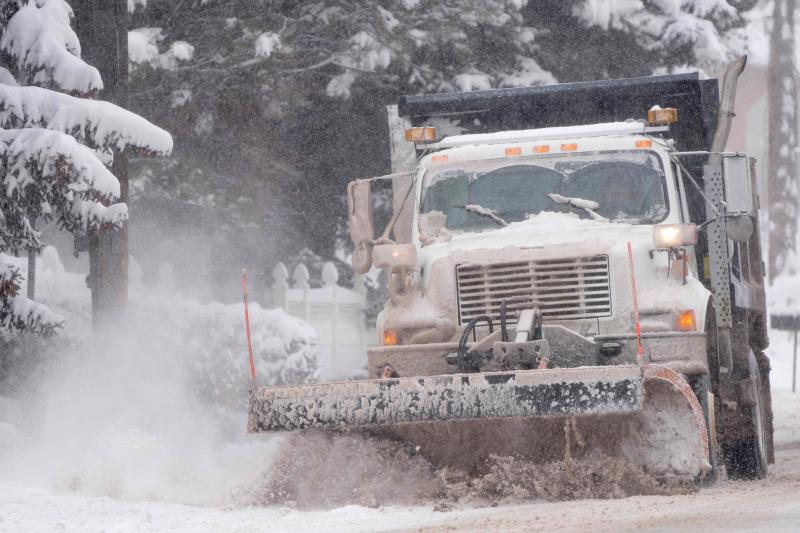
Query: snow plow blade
{"points": [[559, 392], [646, 416]]}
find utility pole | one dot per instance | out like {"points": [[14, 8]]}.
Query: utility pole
{"points": [[782, 92], [102, 27]]}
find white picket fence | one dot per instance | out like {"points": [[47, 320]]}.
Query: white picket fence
{"points": [[336, 313]]}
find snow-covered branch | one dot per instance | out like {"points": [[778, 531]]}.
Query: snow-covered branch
{"points": [[49, 174], [94, 122], [143, 49], [17, 312], [46, 50]]}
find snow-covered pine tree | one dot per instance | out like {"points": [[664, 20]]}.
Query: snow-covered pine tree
{"points": [[55, 144]]}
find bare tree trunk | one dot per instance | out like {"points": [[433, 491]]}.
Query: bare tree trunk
{"points": [[782, 178], [102, 27]]}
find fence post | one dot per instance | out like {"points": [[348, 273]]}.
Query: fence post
{"points": [[329, 278], [300, 277], [280, 287]]}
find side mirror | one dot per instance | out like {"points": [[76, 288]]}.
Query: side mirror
{"points": [[739, 227], [738, 184], [362, 231]]}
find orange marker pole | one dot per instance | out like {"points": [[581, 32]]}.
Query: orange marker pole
{"points": [[247, 328], [639, 347]]}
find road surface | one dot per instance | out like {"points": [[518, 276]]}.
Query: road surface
{"points": [[772, 504]]}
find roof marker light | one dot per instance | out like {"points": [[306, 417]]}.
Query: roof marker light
{"points": [[644, 143], [541, 149], [513, 151], [439, 159], [568, 147], [421, 135], [659, 116]]}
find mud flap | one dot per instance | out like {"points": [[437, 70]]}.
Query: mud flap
{"points": [[524, 393]]}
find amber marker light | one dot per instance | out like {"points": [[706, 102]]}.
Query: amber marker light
{"points": [[568, 147], [541, 149], [390, 338], [439, 159], [513, 151], [420, 135], [645, 143], [686, 321], [659, 116]]}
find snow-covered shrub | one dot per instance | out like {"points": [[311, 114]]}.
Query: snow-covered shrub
{"points": [[207, 340], [54, 147], [213, 344]]}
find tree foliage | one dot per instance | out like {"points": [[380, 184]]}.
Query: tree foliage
{"points": [[54, 144], [283, 101]]}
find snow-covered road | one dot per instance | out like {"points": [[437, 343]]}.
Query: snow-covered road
{"points": [[772, 504], [769, 505]]}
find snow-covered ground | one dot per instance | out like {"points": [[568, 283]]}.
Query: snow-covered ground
{"points": [[771, 505]]}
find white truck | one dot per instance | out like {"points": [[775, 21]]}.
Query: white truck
{"points": [[577, 270]]}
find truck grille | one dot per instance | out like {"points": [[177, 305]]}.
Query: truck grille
{"points": [[562, 289]]}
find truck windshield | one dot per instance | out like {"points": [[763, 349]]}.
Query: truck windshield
{"points": [[626, 186]]}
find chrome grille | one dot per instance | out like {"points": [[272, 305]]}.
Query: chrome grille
{"points": [[562, 289]]}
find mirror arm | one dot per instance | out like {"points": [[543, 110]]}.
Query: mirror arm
{"points": [[722, 216], [702, 226], [697, 187]]}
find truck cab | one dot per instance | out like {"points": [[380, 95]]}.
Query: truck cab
{"points": [[543, 219]]}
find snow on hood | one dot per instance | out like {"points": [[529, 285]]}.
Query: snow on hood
{"points": [[547, 228]]}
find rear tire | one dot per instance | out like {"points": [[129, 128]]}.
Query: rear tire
{"points": [[746, 458]]}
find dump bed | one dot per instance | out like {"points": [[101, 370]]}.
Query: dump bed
{"points": [[571, 104]]}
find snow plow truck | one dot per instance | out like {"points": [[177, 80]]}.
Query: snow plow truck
{"points": [[572, 270]]}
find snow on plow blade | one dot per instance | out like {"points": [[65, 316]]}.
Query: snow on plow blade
{"points": [[522, 393]]}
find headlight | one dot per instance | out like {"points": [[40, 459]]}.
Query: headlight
{"points": [[394, 256], [674, 235]]}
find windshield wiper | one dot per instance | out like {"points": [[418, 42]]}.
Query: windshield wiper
{"points": [[587, 205], [486, 212]]}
